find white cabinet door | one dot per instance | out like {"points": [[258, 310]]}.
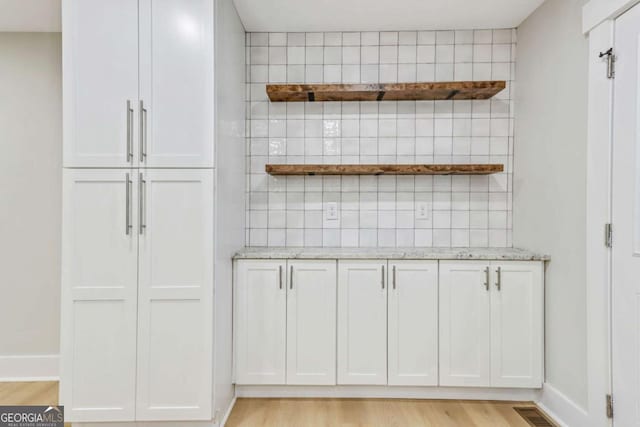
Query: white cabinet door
{"points": [[413, 323], [516, 324], [175, 295], [464, 323], [100, 73], [176, 83], [311, 323], [261, 322], [99, 294], [362, 322]]}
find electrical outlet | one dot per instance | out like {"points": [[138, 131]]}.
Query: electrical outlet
{"points": [[422, 210], [331, 211]]}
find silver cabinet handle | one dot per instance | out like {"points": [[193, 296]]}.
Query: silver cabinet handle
{"points": [[499, 279], [486, 281], [128, 225], [143, 131], [394, 277], [280, 270], [291, 277], [142, 207], [382, 277], [129, 132]]}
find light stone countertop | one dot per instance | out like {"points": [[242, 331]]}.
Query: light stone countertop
{"points": [[495, 254]]}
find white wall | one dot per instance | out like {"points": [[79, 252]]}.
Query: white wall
{"points": [[30, 198], [550, 180], [380, 211], [230, 188]]}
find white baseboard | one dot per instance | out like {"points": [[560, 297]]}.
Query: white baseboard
{"points": [[385, 392], [30, 368], [226, 416], [563, 410]]}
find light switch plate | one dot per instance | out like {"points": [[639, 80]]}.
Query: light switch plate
{"points": [[331, 211], [422, 210]]}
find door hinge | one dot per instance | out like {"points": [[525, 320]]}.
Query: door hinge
{"points": [[609, 406], [608, 235], [611, 62]]}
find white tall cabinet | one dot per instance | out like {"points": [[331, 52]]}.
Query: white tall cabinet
{"points": [[138, 83], [99, 295], [139, 201]]}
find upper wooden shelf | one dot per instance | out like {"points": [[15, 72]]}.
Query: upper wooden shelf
{"points": [[439, 91], [466, 169]]}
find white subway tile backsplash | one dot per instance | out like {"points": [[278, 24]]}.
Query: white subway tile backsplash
{"points": [[379, 211]]}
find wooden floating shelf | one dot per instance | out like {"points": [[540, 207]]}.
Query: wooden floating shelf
{"points": [[438, 91], [469, 169]]}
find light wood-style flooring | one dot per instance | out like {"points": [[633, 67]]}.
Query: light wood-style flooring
{"points": [[325, 412], [29, 393], [375, 413]]}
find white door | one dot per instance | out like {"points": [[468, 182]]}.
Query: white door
{"points": [[99, 294], [261, 322], [465, 323], [362, 322], [413, 323], [626, 223], [311, 323], [175, 305], [100, 73], [176, 83], [516, 324]]}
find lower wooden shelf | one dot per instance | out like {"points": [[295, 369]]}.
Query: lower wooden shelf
{"points": [[461, 169]]}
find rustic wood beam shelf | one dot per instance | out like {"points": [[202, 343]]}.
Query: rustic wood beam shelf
{"points": [[438, 91], [466, 169]]}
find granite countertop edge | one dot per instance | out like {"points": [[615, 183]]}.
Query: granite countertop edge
{"points": [[497, 254]]}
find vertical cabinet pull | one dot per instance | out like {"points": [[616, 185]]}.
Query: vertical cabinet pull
{"points": [[129, 132], [128, 225], [499, 278], [143, 131], [280, 270], [394, 277], [142, 207], [291, 277], [382, 277], [486, 280]]}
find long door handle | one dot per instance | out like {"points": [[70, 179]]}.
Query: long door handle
{"points": [[499, 278], [382, 277], [280, 271], [291, 277], [128, 225], [143, 131], [394, 277], [486, 280], [129, 132], [142, 205]]}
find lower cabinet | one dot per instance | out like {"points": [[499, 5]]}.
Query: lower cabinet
{"points": [[362, 322], [285, 322], [397, 323], [491, 317], [311, 323], [413, 323]]}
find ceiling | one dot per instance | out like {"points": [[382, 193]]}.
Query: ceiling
{"points": [[30, 15], [376, 15], [319, 15]]}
